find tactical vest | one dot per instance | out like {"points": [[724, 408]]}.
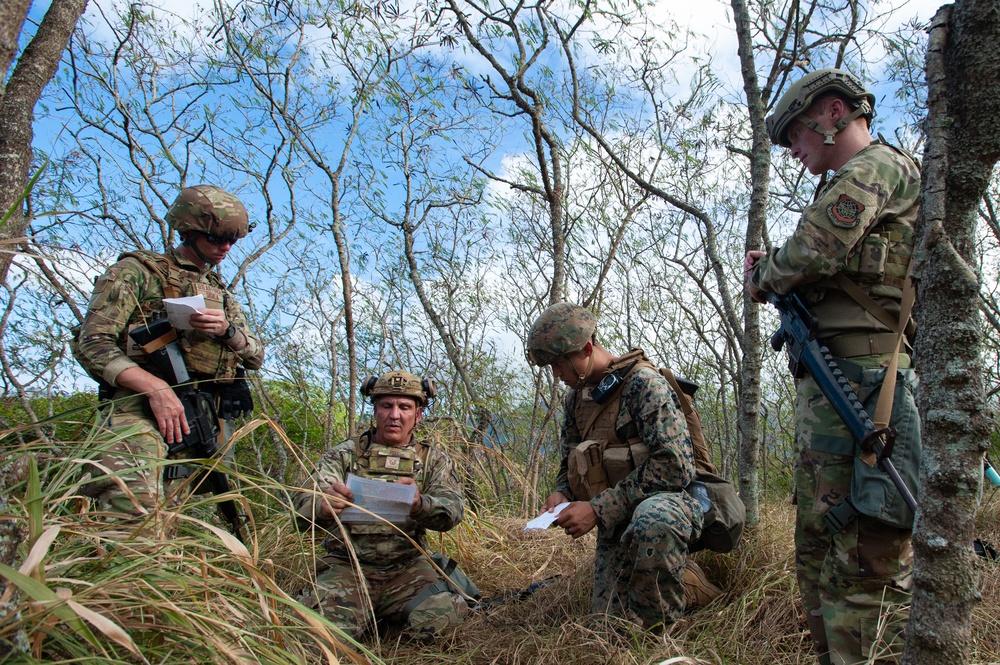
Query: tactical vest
{"points": [[379, 462], [603, 458], [204, 356]]}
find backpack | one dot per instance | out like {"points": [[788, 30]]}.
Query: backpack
{"points": [[725, 514]]}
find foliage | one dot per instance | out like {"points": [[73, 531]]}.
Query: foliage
{"points": [[99, 590]]}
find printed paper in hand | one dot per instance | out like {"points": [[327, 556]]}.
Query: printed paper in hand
{"points": [[390, 501], [545, 520], [179, 310]]}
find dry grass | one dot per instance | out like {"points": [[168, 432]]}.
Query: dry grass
{"points": [[103, 593], [755, 622]]}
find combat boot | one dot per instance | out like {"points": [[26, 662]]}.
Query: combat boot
{"points": [[698, 591]]}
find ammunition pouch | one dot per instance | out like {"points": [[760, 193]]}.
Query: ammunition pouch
{"points": [[595, 465], [235, 399]]}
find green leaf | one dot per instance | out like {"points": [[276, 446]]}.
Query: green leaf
{"points": [[43, 594]]}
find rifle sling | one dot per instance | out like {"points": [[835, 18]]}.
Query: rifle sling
{"points": [[843, 514], [160, 342]]}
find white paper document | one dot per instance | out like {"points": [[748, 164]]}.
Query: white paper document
{"points": [[389, 501], [179, 310], [545, 520]]}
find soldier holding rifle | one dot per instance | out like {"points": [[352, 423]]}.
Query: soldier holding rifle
{"points": [[847, 260], [129, 296]]}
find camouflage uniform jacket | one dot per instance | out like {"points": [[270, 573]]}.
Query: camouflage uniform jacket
{"points": [[378, 544], [126, 290], [648, 409], [860, 224]]}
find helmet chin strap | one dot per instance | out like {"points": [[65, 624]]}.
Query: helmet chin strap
{"points": [[581, 379], [863, 109], [190, 243]]}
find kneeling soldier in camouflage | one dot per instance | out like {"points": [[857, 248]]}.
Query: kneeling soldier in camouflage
{"points": [[622, 426], [394, 577]]}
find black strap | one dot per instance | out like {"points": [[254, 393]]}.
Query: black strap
{"points": [[840, 516]]}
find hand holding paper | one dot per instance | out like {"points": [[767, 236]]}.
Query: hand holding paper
{"points": [[179, 310], [546, 519], [389, 501]]}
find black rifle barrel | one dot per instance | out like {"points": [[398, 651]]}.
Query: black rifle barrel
{"points": [[797, 335]]}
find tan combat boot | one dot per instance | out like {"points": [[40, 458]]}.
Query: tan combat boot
{"points": [[698, 591]]}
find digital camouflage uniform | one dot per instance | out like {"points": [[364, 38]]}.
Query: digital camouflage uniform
{"points": [[393, 572], [861, 225], [128, 292], [646, 521]]}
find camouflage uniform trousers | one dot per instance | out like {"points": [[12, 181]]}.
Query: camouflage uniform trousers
{"points": [[341, 596], [854, 584], [640, 575], [135, 462]]}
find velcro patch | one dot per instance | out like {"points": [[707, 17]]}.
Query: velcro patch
{"points": [[846, 212]]}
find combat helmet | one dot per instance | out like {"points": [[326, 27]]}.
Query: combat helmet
{"points": [[399, 383], [209, 209], [797, 99], [560, 329]]}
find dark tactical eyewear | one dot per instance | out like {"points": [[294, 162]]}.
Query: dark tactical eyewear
{"points": [[221, 240]]}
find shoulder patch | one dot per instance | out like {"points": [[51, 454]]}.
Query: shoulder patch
{"points": [[846, 212]]}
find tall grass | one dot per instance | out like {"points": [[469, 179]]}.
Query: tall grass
{"points": [[177, 587]]}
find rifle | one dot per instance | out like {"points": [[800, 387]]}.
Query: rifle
{"points": [[797, 334], [158, 340]]}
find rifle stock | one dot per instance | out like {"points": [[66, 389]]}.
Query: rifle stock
{"points": [[805, 354], [158, 341]]}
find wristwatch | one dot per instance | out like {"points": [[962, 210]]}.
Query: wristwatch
{"points": [[228, 335]]}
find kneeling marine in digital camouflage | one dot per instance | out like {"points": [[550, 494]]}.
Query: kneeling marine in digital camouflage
{"points": [[848, 259], [395, 581], [636, 435], [215, 351]]}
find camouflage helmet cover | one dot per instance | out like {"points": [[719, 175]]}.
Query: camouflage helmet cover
{"points": [[401, 384], [562, 328], [209, 209], [797, 99]]}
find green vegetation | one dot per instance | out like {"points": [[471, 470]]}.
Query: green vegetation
{"points": [[178, 588]]}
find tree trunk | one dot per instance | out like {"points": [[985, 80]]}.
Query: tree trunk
{"points": [[760, 169], [35, 68], [963, 145]]}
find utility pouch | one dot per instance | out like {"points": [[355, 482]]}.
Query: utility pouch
{"points": [[619, 461], [585, 467], [867, 264], [725, 517], [872, 491]]}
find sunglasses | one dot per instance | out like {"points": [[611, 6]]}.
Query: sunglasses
{"points": [[220, 240]]}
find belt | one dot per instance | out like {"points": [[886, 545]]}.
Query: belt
{"points": [[862, 344]]}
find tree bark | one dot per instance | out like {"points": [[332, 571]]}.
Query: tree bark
{"points": [[963, 145], [35, 68], [760, 170]]}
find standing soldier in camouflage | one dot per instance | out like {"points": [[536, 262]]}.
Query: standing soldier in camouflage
{"points": [[392, 580], [626, 459], [209, 221], [848, 258]]}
